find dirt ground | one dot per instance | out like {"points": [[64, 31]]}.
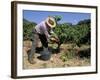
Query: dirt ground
{"points": [[55, 60]]}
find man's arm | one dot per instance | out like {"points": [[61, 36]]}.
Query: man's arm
{"points": [[47, 35]]}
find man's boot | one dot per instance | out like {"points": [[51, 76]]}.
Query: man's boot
{"points": [[31, 58], [31, 54], [31, 61]]}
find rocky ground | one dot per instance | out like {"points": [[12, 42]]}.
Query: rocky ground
{"points": [[55, 60]]}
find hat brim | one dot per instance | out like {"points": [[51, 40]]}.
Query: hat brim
{"points": [[52, 26]]}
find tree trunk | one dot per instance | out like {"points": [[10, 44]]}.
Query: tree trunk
{"points": [[58, 48]]}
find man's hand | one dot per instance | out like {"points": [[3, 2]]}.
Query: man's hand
{"points": [[54, 39]]}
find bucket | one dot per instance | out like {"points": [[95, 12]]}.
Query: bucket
{"points": [[45, 55]]}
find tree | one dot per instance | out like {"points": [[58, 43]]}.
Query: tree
{"points": [[87, 24], [62, 32], [77, 34], [58, 18], [27, 29], [86, 21]]}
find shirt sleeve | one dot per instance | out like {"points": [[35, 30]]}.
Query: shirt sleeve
{"points": [[44, 30], [47, 34]]}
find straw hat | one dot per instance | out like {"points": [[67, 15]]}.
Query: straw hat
{"points": [[51, 21]]}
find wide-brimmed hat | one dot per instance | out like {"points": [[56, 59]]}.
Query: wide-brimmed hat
{"points": [[51, 21]]}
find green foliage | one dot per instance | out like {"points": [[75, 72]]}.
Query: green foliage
{"points": [[27, 29], [86, 21], [63, 57], [61, 31], [57, 18], [68, 55], [78, 34]]}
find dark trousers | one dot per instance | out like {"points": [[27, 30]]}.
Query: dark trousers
{"points": [[43, 40]]}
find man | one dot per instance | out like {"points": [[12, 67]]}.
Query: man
{"points": [[44, 31]]}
